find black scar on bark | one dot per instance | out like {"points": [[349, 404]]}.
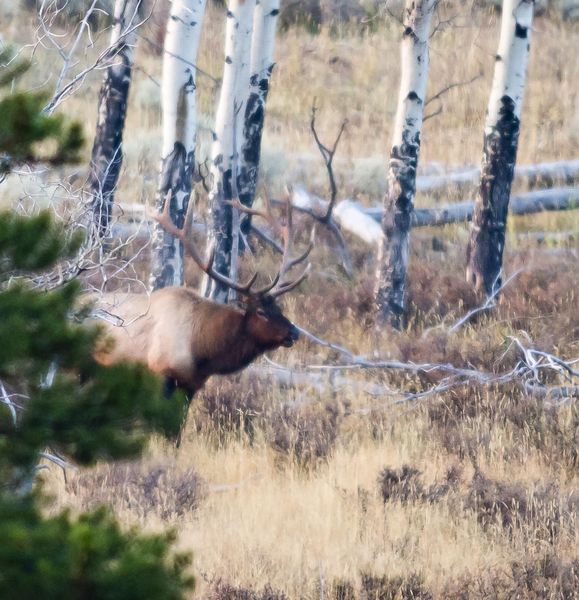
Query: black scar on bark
{"points": [[176, 176], [222, 228], [396, 225], [251, 151], [107, 157], [405, 157], [274, 12], [487, 242], [520, 31], [228, 60], [498, 58], [412, 95], [177, 171]]}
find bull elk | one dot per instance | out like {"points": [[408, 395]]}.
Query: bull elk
{"points": [[186, 338]]}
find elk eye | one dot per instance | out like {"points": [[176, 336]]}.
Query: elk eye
{"points": [[260, 312]]}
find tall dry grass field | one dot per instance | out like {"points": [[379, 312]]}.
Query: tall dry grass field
{"points": [[328, 491]]}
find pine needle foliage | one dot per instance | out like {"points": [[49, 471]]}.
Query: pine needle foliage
{"points": [[55, 397], [86, 412], [24, 124]]}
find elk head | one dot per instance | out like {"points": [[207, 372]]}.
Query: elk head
{"points": [[263, 318]]}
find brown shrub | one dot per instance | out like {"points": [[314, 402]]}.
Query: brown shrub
{"points": [[541, 512], [434, 294], [342, 590], [402, 484], [410, 587], [225, 591], [546, 578], [225, 406], [405, 485], [464, 419], [307, 434], [142, 489]]}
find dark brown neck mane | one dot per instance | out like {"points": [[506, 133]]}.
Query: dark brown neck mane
{"points": [[234, 351]]}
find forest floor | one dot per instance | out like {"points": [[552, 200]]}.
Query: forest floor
{"points": [[332, 492]]}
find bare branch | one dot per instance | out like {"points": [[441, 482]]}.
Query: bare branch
{"points": [[449, 87], [328, 157]]}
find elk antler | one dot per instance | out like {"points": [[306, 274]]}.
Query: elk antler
{"points": [[164, 219], [279, 286]]}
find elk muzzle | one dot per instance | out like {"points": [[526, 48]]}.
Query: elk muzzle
{"points": [[292, 336]]}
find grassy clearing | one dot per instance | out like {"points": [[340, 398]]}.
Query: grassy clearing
{"points": [[341, 495]]}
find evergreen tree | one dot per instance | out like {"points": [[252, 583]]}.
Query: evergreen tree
{"points": [[54, 395], [23, 124]]}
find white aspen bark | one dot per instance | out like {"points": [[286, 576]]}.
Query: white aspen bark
{"points": [[262, 64], [107, 153], [399, 201], [179, 135], [226, 140], [487, 235]]}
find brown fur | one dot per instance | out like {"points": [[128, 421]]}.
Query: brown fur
{"points": [[186, 338]]}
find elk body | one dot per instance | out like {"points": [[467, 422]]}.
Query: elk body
{"points": [[186, 338]]}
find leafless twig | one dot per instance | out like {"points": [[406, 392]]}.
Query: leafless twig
{"points": [[488, 304], [441, 93], [526, 370], [328, 157]]}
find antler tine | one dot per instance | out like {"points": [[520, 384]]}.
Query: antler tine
{"points": [[287, 233], [287, 262], [266, 215], [164, 219], [278, 286], [267, 288], [290, 285], [296, 261]]}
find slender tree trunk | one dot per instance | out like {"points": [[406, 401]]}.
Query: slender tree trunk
{"points": [[399, 200], [179, 135], [487, 235], [107, 153], [262, 48], [227, 139]]}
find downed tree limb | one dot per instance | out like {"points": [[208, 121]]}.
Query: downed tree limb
{"points": [[521, 204], [364, 223], [319, 382], [566, 171], [435, 179], [530, 373]]}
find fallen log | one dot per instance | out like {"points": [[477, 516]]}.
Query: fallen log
{"points": [[522, 204], [364, 222], [433, 177], [564, 171]]}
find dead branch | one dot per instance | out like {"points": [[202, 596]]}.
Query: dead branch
{"points": [[328, 156], [449, 87], [488, 304], [440, 94], [565, 171], [522, 204], [530, 369], [326, 218]]}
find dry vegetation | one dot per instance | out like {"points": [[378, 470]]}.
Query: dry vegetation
{"points": [[285, 493]]}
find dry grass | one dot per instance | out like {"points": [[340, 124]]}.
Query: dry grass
{"points": [[295, 494]]}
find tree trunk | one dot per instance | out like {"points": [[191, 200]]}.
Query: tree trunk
{"points": [[179, 135], [107, 153], [227, 139], [399, 201], [487, 236], [262, 47]]}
